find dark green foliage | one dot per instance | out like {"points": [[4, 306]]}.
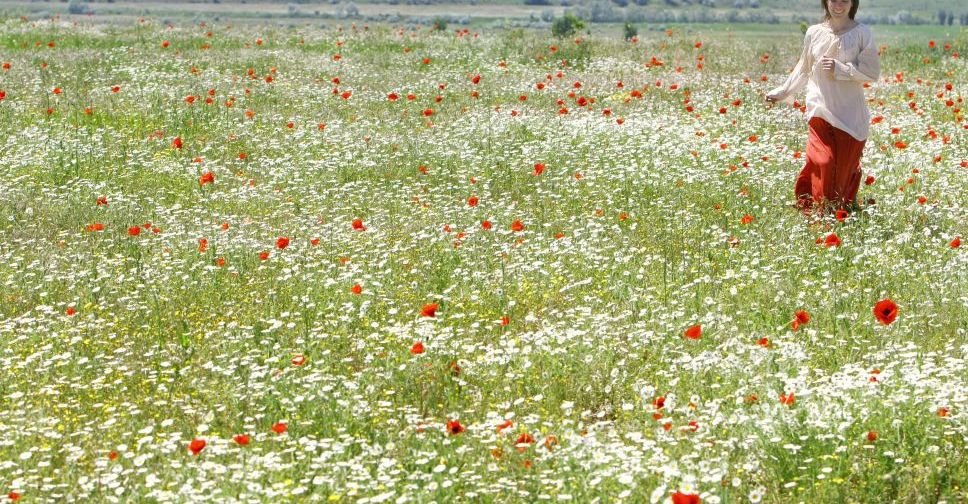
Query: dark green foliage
{"points": [[567, 25], [631, 31]]}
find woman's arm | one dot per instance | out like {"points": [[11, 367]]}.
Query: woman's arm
{"points": [[867, 67], [798, 77]]}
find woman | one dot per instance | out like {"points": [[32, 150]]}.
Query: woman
{"points": [[839, 56]]}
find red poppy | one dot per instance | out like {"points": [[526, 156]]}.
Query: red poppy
{"points": [[112, 455], [802, 316], [872, 436], [517, 226], [356, 289], [393, 97], [202, 245], [97, 226], [956, 242], [832, 240], [943, 412], [196, 446], [71, 311], [3, 94], [539, 168], [787, 399], [177, 143], [486, 225], [885, 311], [13, 496], [472, 201], [280, 427], [358, 225], [298, 360], [264, 255], [429, 310], [282, 242], [658, 402], [694, 332], [206, 178], [524, 439], [504, 425], [134, 230], [454, 427], [683, 498], [165, 43], [746, 219], [428, 112], [763, 342], [241, 439]]}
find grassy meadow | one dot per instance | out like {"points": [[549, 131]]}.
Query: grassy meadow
{"points": [[267, 264]]}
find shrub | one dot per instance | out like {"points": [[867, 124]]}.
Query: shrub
{"points": [[566, 25], [439, 24], [630, 31]]}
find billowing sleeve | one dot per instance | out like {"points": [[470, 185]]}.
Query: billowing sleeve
{"points": [[867, 66], [799, 76]]}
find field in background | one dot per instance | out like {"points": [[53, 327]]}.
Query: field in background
{"points": [[492, 13], [261, 263]]}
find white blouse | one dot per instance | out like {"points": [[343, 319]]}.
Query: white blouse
{"points": [[838, 96]]}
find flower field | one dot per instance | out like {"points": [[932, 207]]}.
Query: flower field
{"points": [[390, 264]]}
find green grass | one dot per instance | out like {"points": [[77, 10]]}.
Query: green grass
{"points": [[633, 233]]}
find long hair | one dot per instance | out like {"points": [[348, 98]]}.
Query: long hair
{"points": [[853, 9]]}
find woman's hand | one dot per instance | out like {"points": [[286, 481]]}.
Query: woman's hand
{"points": [[828, 64], [772, 98]]}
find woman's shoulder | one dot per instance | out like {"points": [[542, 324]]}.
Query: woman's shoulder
{"points": [[862, 32]]}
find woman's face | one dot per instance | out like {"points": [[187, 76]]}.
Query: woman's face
{"points": [[839, 9]]}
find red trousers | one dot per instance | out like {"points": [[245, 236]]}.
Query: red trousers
{"points": [[831, 176]]}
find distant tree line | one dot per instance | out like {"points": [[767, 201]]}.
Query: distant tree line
{"points": [[614, 11]]}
